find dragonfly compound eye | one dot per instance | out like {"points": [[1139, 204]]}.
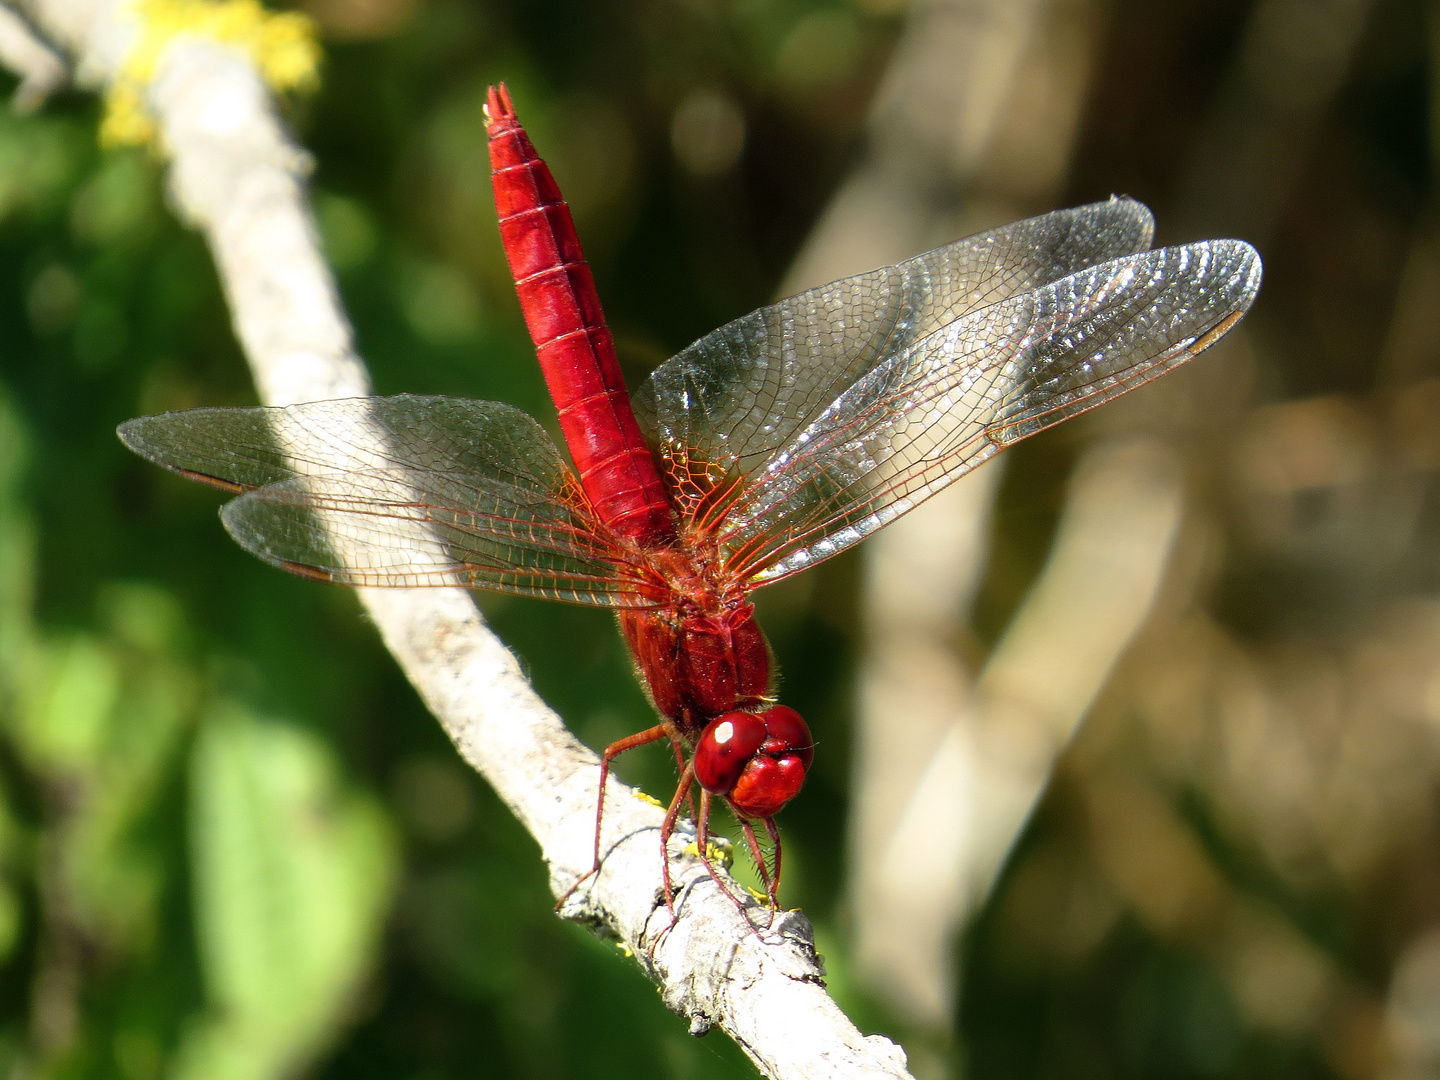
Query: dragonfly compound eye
{"points": [[756, 761], [726, 747]]}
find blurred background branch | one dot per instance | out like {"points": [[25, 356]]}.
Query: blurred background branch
{"points": [[40, 71]]}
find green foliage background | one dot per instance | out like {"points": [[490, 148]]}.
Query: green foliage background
{"points": [[232, 843]]}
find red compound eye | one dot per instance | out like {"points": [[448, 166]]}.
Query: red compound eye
{"points": [[788, 732], [726, 747], [758, 761]]}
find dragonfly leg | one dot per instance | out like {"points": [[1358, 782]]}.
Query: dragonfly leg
{"points": [[702, 845], [682, 792], [774, 831], [614, 750], [680, 760], [770, 883]]}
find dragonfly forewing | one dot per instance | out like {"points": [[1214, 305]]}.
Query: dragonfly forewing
{"points": [[740, 393], [930, 415]]}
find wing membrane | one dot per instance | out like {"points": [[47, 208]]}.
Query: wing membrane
{"points": [[400, 491], [791, 433], [740, 393], [932, 413]]}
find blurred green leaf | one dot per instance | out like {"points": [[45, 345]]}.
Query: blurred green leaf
{"points": [[10, 920], [17, 545], [39, 158], [293, 876], [347, 230], [119, 201], [65, 702]]}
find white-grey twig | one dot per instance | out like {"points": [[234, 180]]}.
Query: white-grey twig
{"points": [[22, 52]]}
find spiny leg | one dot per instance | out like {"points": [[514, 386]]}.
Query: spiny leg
{"points": [[680, 760], [702, 845], [774, 831], [614, 750], [759, 857], [682, 790]]}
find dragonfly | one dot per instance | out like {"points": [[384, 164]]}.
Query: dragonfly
{"points": [[770, 444]]}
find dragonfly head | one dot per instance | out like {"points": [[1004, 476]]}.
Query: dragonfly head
{"points": [[755, 760]]}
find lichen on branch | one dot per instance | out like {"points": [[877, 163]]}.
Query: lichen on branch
{"points": [[282, 45]]}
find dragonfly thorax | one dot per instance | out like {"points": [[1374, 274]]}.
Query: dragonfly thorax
{"points": [[692, 576], [697, 664]]}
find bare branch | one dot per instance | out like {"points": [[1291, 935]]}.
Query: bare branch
{"points": [[21, 50], [238, 177]]}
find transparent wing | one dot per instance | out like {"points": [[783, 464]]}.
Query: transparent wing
{"points": [[729, 401], [400, 491], [932, 413]]}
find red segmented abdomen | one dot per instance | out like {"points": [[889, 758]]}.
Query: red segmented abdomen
{"points": [[576, 350]]}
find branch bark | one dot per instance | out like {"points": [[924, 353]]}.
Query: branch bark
{"points": [[238, 177], [41, 71]]}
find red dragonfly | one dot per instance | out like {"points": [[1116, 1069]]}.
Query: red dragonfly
{"points": [[772, 443]]}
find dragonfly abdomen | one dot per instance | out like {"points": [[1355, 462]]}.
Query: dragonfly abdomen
{"points": [[574, 345]]}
